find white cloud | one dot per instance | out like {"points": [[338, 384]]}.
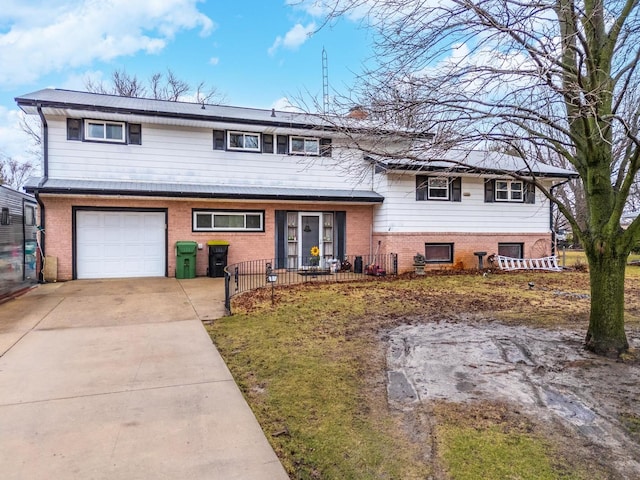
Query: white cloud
{"points": [[38, 38], [294, 38], [214, 61], [14, 142], [283, 104]]}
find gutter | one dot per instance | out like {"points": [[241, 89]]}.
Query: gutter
{"points": [[551, 204], [45, 166], [206, 195]]}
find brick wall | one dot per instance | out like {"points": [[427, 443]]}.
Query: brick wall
{"points": [[406, 245], [244, 246]]}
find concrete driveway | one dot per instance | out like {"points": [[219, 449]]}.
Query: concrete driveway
{"points": [[118, 379]]}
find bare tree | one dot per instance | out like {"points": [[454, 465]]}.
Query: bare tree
{"points": [[161, 86], [14, 173], [549, 76]]}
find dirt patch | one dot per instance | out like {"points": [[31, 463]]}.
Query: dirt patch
{"points": [[545, 374]]}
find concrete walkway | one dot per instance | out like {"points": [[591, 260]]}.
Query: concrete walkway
{"points": [[118, 379]]}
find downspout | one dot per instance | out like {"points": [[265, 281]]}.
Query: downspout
{"points": [[45, 167], [553, 232]]}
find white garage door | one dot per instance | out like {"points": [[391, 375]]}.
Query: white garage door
{"points": [[120, 244]]}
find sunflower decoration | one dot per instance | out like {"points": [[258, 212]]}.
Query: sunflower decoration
{"points": [[315, 256]]}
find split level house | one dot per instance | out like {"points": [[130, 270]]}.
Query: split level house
{"points": [[123, 179]]}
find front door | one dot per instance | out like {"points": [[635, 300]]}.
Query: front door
{"points": [[309, 235]]}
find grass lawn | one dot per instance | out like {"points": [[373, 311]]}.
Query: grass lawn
{"points": [[312, 368]]}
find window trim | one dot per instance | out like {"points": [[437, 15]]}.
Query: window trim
{"points": [[446, 188], [520, 245], [304, 145], [213, 213], [439, 244], [88, 137], [509, 191], [244, 148], [454, 189]]}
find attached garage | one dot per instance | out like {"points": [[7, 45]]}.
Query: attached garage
{"points": [[120, 243]]}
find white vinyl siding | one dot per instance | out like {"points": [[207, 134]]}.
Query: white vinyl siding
{"points": [[401, 213], [172, 154]]}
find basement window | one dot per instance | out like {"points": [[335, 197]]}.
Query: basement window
{"points": [[438, 252]]}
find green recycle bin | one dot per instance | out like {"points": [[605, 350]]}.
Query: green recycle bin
{"points": [[186, 259]]}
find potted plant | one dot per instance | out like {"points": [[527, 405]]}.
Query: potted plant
{"points": [[419, 262]]}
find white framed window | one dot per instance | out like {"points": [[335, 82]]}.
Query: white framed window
{"points": [[509, 191], [227, 221], [304, 146], [438, 189], [104, 131], [243, 141]]}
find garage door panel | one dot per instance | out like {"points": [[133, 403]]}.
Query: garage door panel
{"points": [[120, 244]]}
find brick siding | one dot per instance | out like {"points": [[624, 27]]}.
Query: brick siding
{"points": [[244, 246], [406, 245]]}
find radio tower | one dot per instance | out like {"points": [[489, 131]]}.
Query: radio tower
{"points": [[325, 82]]}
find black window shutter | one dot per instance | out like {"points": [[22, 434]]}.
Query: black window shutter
{"points": [[134, 133], [281, 239], [218, 139], [267, 143], [529, 192], [455, 189], [421, 187], [341, 234], [74, 129], [325, 147], [489, 189], [283, 144]]}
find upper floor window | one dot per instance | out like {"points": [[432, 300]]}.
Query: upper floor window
{"points": [[217, 221], [509, 191], [516, 191], [439, 188], [304, 146], [243, 141], [104, 131]]}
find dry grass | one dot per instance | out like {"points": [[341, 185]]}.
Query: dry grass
{"points": [[312, 367]]}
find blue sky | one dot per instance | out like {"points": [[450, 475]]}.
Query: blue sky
{"points": [[257, 53]]}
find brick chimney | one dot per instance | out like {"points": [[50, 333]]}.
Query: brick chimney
{"points": [[358, 112]]}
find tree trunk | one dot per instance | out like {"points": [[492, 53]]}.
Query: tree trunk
{"points": [[606, 334]]}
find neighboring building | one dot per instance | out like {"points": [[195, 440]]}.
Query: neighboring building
{"points": [[18, 241], [123, 179]]}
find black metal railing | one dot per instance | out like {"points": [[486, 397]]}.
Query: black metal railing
{"points": [[245, 276]]}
